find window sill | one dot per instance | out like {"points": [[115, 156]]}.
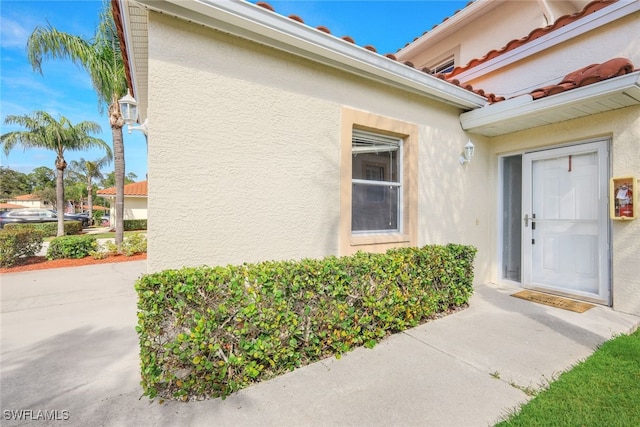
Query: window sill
{"points": [[377, 239]]}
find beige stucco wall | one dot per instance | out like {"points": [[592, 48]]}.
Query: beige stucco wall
{"points": [[244, 154], [31, 204], [134, 208], [623, 128], [617, 39], [508, 21]]}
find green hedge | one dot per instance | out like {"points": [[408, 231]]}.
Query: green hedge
{"points": [[50, 229], [71, 246], [209, 331], [18, 243], [135, 224]]}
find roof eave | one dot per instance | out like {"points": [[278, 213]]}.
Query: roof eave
{"points": [[257, 24], [126, 195], [523, 112], [450, 25]]}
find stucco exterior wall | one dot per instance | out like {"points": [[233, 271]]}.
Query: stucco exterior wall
{"points": [[508, 21], [259, 148], [623, 128], [616, 39], [135, 208], [31, 203]]}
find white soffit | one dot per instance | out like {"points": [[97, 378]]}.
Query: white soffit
{"points": [[246, 20], [134, 21], [523, 112]]}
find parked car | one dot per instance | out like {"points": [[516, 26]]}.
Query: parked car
{"points": [[105, 220], [84, 217], [34, 215]]}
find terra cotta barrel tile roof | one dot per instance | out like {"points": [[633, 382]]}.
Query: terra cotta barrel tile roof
{"points": [[489, 96], [564, 20], [26, 197], [590, 74], [134, 189]]}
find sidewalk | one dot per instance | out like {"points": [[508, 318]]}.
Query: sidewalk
{"points": [[69, 344]]}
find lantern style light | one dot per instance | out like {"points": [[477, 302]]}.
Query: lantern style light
{"points": [[468, 153], [129, 108], [129, 111]]}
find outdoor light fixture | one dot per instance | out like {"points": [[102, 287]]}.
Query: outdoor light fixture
{"points": [[468, 153], [129, 111]]}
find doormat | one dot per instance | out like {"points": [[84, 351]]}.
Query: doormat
{"points": [[554, 301]]}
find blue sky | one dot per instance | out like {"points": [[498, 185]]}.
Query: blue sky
{"points": [[65, 89]]}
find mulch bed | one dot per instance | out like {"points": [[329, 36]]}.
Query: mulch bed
{"points": [[41, 263]]}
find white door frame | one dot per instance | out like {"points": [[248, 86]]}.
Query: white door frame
{"points": [[601, 148]]}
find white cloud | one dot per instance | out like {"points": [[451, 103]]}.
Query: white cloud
{"points": [[14, 35]]}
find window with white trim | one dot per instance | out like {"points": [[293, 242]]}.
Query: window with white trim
{"points": [[376, 205]]}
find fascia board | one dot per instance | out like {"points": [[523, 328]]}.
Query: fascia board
{"points": [[252, 22], [523, 106], [450, 25], [587, 23]]}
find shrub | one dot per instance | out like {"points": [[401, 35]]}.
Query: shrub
{"points": [[209, 331], [111, 247], [134, 244], [71, 247], [135, 224], [49, 229], [97, 215], [17, 243], [98, 253]]}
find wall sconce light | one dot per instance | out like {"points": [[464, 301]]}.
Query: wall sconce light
{"points": [[468, 153], [129, 111], [144, 127]]}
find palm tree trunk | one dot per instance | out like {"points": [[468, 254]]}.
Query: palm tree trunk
{"points": [[90, 200], [60, 166], [116, 121]]}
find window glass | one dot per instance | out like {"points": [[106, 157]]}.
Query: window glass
{"points": [[376, 183], [511, 217]]}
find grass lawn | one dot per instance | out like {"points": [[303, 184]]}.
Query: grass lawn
{"points": [[603, 390]]}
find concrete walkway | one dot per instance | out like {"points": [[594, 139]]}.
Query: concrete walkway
{"points": [[69, 344]]}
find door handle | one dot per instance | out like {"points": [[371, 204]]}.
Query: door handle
{"points": [[531, 218]]}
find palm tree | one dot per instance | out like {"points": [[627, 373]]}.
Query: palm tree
{"points": [[102, 60], [90, 170], [44, 131]]}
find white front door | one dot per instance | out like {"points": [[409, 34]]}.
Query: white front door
{"points": [[565, 239]]}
